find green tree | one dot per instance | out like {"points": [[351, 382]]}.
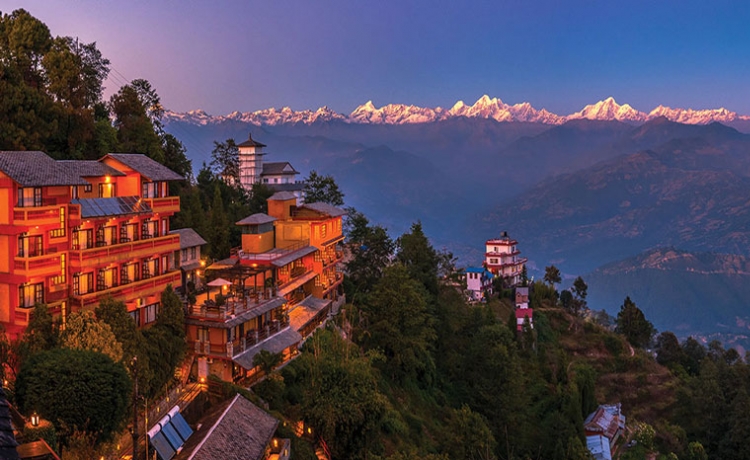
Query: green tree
{"points": [[580, 292], [372, 250], [115, 314], [323, 189], [267, 361], [695, 451], [668, 349], [693, 355], [469, 437], [400, 324], [340, 397], [416, 253], [218, 236], [225, 161], [75, 390], [136, 132], [84, 332], [552, 275], [42, 332], [171, 316], [632, 323]]}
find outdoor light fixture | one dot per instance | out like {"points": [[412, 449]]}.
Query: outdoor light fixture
{"points": [[34, 419]]}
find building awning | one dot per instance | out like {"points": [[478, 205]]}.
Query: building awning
{"points": [[291, 286], [192, 266], [275, 344], [294, 255], [302, 313]]}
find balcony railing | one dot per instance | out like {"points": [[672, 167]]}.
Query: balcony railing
{"points": [[28, 266], [230, 309], [240, 344], [37, 215], [129, 250], [142, 288], [164, 204], [272, 254]]}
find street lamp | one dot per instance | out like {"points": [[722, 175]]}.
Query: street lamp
{"points": [[34, 419]]}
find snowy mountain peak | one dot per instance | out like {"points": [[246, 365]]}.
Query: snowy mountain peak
{"points": [[485, 107], [609, 109]]}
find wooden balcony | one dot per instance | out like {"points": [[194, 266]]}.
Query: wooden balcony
{"points": [[167, 204], [38, 215], [122, 252], [44, 265], [142, 288], [240, 344]]}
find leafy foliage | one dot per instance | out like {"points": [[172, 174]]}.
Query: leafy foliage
{"points": [[323, 189], [84, 332], [632, 323], [75, 390]]}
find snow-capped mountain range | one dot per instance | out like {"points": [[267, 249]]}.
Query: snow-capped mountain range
{"points": [[484, 107]]}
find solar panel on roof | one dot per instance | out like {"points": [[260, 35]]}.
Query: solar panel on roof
{"points": [[162, 446], [171, 434], [181, 425]]}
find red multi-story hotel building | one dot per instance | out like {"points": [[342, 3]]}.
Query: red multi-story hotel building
{"points": [[73, 232]]}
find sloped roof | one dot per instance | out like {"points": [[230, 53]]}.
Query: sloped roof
{"points": [[91, 168], [282, 196], [325, 208], [256, 219], [250, 142], [233, 430], [605, 420], [145, 166], [37, 169], [295, 187], [8, 442], [188, 237], [113, 206], [474, 269], [277, 168], [274, 344]]}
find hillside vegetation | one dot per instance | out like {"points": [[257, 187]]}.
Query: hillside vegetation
{"points": [[410, 370]]}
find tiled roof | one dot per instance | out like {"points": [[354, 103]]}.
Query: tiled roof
{"points": [[188, 238], [325, 208], [277, 168], [256, 219], [37, 169], [605, 419], [234, 430], [91, 168], [282, 196], [294, 255], [250, 142], [8, 442], [145, 166]]}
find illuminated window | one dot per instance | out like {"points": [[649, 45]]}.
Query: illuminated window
{"points": [[106, 190], [29, 196], [30, 294]]}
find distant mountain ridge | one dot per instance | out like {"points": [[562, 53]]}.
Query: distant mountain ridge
{"points": [[485, 107]]}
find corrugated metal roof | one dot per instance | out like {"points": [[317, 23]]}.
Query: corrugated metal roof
{"points": [[256, 219], [275, 344], [325, 208]]}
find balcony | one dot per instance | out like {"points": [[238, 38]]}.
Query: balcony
{"points": [[142, 288], [167, 204], [124, 251], [46, 264], [37, 215], [240, 344], [242, 310]]}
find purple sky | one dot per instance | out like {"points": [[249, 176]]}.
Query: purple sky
{"points": [[249, 55]]}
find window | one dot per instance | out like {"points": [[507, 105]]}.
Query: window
{"points": [[29, 196], [30, 294], [83, 283], [74, 191], [203, 334], [149, 229], [152, 189], [83, 239], [59, 232], [106, 279], [106, 190], [193, 253], [87, 188], [30, 246], [136, 315], [323, 230], [150, 313], [184, 255]]}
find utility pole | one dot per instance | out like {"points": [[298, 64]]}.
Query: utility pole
{"points": [[135, 407]]}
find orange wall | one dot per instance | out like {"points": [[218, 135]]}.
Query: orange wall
{"points": [[259, 243]]}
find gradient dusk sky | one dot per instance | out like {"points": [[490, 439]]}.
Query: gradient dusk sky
{"points": [[229, 55]]}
